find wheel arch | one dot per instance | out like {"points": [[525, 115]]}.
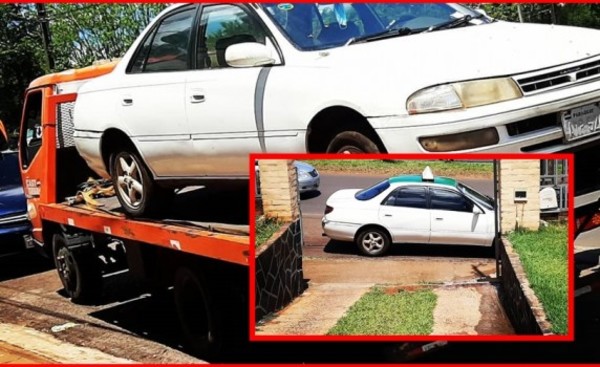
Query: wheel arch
{"points": [[322, 127], [373, 225], [110, 140]]}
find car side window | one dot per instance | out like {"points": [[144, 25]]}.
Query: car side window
{"points": [[31, 138], [222, 26], [451, 201], [167, 48], [408, 197]]}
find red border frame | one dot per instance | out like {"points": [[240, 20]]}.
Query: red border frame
{"points": [[570, 336]]}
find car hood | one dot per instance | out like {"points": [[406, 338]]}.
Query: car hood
{"points": [[304, 167], [12, 201], [473, 52]]}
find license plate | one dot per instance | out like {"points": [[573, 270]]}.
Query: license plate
{"points": [[581, 122]]}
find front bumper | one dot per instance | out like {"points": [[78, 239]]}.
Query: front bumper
{"points": [[528, 124], [15, 225], [308, 184]]}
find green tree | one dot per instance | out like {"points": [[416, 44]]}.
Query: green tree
{"points": [[84, 33], [21, 59]]}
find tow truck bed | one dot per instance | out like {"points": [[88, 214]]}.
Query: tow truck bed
{"points": [[227, 242]]}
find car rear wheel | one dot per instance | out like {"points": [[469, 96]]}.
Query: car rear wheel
{"points": [[373, 242], [135, 188], [352, 142]]}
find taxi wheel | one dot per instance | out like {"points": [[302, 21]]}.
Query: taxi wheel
{"points": [[373, 241]]}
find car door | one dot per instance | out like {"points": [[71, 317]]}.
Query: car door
{"points": [[404, 213], [152, 93], [453, 220], [224, 104]]}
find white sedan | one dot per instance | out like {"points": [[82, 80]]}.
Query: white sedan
{"points": [[206, 84], [410, 209]]}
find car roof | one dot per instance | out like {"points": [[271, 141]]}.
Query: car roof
{"points": [[444, 181]]}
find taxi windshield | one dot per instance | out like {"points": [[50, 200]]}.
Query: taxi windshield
{"points": [[315, 26]]}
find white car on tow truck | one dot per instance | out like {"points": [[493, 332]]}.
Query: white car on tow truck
{"points": [[205, 84]]}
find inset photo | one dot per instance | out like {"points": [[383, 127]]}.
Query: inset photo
{"points": [[411, 247]]}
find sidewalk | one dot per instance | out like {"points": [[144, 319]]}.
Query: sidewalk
{"points": [[19, 344], [10, 354]]}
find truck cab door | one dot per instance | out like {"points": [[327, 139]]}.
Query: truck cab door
{"points": [[32, 158]]}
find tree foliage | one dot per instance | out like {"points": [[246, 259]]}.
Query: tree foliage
{"points": [[84, 33], [21, 59]]}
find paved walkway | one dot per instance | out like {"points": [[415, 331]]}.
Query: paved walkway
{"points": [[19, 344], [10, 354]]}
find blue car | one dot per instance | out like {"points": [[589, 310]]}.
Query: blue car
{"points": [[13, 205]]}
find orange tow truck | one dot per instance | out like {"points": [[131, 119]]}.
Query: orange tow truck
{"points": [[204, 262]]}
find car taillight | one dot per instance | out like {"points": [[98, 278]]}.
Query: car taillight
{"points": [[328, 209]]}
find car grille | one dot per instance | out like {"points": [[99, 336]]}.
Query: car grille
{"points": [[558, 77], [533, 124], [313, 173]]}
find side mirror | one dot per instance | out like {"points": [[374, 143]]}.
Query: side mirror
{"points": [[481, 11], [477, 210], [3, 138], [248, 54]]}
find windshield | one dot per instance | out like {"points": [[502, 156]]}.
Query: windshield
{"points": [[371, 192], [483, 200], [319, 26]]}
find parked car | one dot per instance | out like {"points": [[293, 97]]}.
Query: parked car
{"points": [[194, 94], [13, 205], [308, 177], [410, 209]]}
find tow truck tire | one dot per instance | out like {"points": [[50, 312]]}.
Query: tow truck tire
{"points": [[78, 271], [198, 316], [134, 185]]}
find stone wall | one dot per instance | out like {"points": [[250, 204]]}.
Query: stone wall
{"points": [[519, 175], [518, 299], [279, 275]]}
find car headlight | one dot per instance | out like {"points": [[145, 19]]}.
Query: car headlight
{"points": [[463, 95], [303, 175]]}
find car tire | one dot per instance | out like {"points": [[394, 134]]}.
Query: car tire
{"points": [[373, 241], [78, 270], [135, 188], [197, 313], [352, 142]]}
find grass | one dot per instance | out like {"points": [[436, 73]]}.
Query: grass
{"points": [[380, 313], [265, 228], [544, 257], [399, 167]]}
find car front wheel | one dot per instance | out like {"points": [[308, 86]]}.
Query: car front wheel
{"points": [[137, 192], [352, 142], [373, 242]]}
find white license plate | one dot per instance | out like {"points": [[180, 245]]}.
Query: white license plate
{"points": [[581, 122]]}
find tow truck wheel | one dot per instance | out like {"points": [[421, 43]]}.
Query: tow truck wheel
{"points": [[78, 271], [135, 188], [198, 317]]}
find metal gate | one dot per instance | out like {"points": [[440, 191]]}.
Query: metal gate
{"points": [[554, 173]]}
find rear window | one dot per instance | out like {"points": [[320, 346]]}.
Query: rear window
{"points": [[371, 192]]}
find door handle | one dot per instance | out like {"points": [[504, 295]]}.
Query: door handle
{"points": [[197, 98], [439, 218], [387, 215], [127, 101]]}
